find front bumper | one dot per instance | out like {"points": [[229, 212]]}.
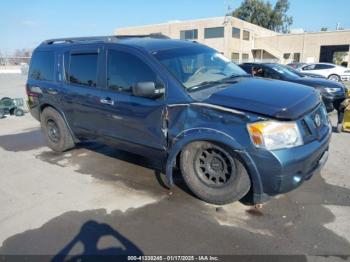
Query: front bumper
{"points": [[284, 170], [332, 102], [345, 77]]}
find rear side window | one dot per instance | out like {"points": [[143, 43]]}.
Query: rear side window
{"points": [[309, 67], [124, 70], [83, 69], [321, 66], [42, 66]]}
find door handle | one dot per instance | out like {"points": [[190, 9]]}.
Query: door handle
{"points": [[52, 91], [107, 101]]}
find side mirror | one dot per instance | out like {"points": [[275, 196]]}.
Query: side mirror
{"points": [[146, 89]]}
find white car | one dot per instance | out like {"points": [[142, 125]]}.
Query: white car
{"points": [[330, 71]]}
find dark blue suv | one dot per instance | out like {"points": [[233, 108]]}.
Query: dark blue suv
{"points": [[186, 106]]}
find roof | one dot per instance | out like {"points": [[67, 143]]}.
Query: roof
{"points": [[150, 43]]}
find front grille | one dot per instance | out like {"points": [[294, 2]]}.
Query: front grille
{"points": [[306, 128], [315, 125]]}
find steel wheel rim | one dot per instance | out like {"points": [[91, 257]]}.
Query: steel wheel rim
{"points": [[214, 166], [53, 131]]}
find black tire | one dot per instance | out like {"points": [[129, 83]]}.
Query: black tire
{"points": [[334, 77], [55, 130], [18, 112], [213, 173], [2, 113], [339, 128]]}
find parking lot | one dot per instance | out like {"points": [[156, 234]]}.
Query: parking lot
{"points": [[97, 199]]}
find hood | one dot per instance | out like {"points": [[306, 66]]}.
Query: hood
{"points": [[277, 99], [318, 82]]}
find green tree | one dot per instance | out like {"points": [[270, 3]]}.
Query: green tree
{"points": [[262, 13], [324, 29]]}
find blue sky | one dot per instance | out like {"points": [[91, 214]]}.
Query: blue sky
{"points": [[26, 23]]}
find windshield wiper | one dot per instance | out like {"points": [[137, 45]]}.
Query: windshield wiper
{"points": [[206, 83], [226, 80], [232, 77]]}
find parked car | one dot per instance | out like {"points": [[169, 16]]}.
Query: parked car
{"points": [[333, 93], [184, 104], [304, 74], [330, 71], [296, 65]]}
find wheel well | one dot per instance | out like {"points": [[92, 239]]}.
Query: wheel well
{"points": [[42, 108], [334, 75], [177, 159]]}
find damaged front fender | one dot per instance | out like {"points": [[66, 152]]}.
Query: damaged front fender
{"points": [[187, 123]]}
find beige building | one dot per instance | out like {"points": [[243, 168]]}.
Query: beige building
{"points": [[243, 41]]}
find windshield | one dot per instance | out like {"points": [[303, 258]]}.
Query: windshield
{"points": [[285, 71], [198, 66]]}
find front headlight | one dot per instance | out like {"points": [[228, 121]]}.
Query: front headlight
{"points": [[332, 90], [273, 135]]}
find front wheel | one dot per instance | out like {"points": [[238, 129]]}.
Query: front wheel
{"points": [[18, 112], [334, 78], [214, 173]]}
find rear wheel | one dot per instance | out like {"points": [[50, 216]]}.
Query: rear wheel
{"points": [[55, 130], [214, 173], [334, 78], [18, 112]]}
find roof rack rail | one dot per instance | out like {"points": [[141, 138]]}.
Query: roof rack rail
{"points": [[76, 39], [152, 35], [100, 38]]}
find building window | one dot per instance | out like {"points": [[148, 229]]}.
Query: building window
{"points": [[296, 57], [236, 32], [235, 57], [189, 34], [246, 35], [286, 55], [245, 57], [214, 32]]}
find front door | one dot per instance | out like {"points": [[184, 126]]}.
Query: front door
{"points": [[132, 120]]}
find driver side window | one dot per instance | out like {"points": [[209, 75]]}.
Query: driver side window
{"points": [[125, 70]]}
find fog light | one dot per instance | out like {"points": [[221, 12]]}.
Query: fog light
{"points": [[296, 179]]}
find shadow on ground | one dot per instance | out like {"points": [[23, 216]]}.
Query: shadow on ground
{"points": [[28, 140], [97, 240]]}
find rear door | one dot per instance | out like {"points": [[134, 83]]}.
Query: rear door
{"points": [[83, 89]]}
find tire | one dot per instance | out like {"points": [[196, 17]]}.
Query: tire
{"points": [[2, 113], [339, 128], [5, 98], [18, 112], [334, 78], [55, 130], [202, 166]]}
